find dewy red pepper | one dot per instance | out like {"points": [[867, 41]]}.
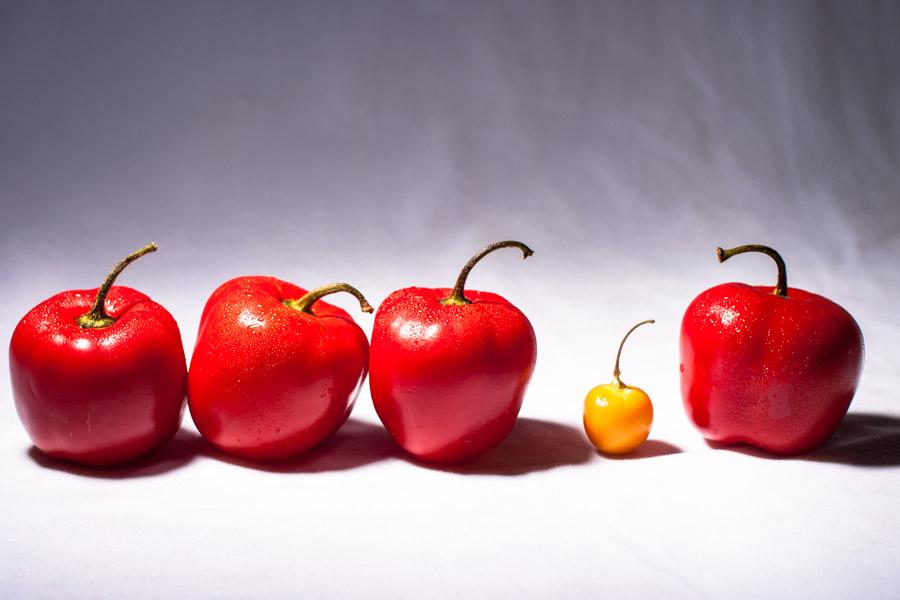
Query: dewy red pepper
{"points": [[449, 368], [275, 370], [98, 376], [773, 368]]}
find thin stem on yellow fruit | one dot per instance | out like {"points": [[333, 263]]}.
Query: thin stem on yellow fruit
{"points": [[617, 381]]}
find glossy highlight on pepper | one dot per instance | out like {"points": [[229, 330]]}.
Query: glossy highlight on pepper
{"points": [[275, 369], [98, 376], [774, 367], [449, 367]]}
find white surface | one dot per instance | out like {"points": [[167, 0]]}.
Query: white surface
{"points": [[382, 143], [540, 516]]}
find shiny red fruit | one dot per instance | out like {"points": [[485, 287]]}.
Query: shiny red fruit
{"points": [[776, 369], [449, 369], [103, 393], [275, 370]]}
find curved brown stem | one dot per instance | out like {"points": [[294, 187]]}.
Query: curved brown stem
{"points": [[97, 317], [781, 287], [458, 296], [306, 301], [616, 372]]}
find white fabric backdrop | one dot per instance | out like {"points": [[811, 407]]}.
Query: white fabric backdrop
{"points": [[382, 143]]}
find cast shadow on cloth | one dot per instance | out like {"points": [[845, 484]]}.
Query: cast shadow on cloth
{"points": [[184, 447], [534, 445], [862, 440], [649, 449], [353, 445]]}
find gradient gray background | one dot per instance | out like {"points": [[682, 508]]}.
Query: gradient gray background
{"points": [[382, 143]]}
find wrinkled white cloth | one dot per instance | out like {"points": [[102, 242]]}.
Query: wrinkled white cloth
{"points": [[383, 143]]}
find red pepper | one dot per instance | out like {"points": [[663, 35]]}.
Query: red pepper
{"points": [[275, 370], [773, 368], [449, 368], [98, 376]]}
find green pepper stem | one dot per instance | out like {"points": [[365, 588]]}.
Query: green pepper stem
{"points": [[458, 296], [97, 317], [781, 286], [305, 302], [617, 381]]}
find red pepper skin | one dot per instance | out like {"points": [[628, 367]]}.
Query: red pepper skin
{"points": [[98, 396], [448, 381], [774, 372], [267, 381]]}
